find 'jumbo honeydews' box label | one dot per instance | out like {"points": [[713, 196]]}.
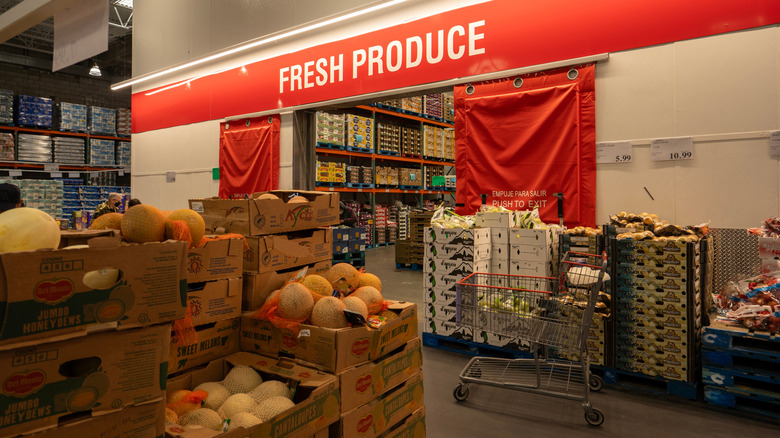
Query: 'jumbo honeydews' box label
{"points": [[277, 252], [216, 260], [274, 212], [100, 373], [62, 292]]}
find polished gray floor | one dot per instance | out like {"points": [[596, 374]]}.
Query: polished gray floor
{"points": [[498, 412]]}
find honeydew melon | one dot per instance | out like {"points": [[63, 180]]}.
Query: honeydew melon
{"points": [[27, 229]]}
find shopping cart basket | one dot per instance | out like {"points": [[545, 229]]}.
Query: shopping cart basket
{"points": [[551, 316]]}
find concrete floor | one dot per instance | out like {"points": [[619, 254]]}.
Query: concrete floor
{"points": [[498, 412]]}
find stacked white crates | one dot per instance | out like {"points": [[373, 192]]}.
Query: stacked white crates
{"points": [[451, 254], [499, 223], [533, 251]]}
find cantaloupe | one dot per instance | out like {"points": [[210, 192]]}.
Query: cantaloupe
{"points": [[297, 200], [241, 379], [194, 222], [318, 284], [108, 221], [217, 394], [295, 302], [27, 229], [171, 416], [389, 315], [268, 389], [366, 279], [236, 403], [203, 417], [371, 297], [343, 277], [143, 223], [329, 313], [272, 407], [243, 419], [356, 305], [267, 196]]}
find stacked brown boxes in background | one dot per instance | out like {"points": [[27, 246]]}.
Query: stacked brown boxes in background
{"points": [[411, 142], [66, 366], [412, 249]]}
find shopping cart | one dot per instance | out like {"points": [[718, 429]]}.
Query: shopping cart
{"points": [[551, 316]]}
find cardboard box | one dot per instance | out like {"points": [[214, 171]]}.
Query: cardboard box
{"points": [[440, 296], [500, 266], [377, 416], [102, 373], [256, 217], [457, 236], [529, 253], [441, 280], [141, 421], [458, 252], [214, 301], [455, 267], [316, 398], [534, 269], [363, 383], [82, 237], [412, 427], [257, 287], [499, 251], [282, 251], [214, 340], [499, 235], [523, 236], [43, 295], [331, 349], [449, 329], [216, 260], [495, 219]]}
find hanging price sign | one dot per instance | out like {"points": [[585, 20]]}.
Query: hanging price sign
{"points": [[774, 144], [617, 152], [671, 149], [51, 167]]}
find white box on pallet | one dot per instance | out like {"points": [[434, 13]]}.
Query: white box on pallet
{"points": [[522, 267], [495, 219], [440, 296], [440, 280], [499, 266], [455, 267], [457, 236], [458, 252], [499, 251], [450, 329], [529, 253], [499, 235], [523, 236]]}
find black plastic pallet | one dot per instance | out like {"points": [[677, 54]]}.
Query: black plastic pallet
{"points": [[330, 145], [655, 385], [357, 149], [470, 348], [743, 400]]}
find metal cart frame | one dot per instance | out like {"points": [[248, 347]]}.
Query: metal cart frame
{"points": [[552, 316]]}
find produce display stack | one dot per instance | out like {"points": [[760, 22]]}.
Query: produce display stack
{"points": [[409, 177], [380, 222], [412, 249], [448, 151], [33, 147], [366, 220], [214, 296], [412, 104], [102, 120], [411, 142], [73, 117], [62, 377], [432, 105], [451, 254], [45, 195], [359, 133], [123, 122], [6, 107], [433, 141], [499, 223], [388, 138], [69, 150], [330, 128], [7, 147], [658, 298], [403, 222], [431, 172], [533, 251], [35, 112], [329, 171], [102, 152], [349, 244], [123, 153], [448, 107]]}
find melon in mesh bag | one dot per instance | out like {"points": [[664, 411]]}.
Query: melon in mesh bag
{"points": [[268, 389], [241, 379], [143, 223], [204, 417], [272, 407]]}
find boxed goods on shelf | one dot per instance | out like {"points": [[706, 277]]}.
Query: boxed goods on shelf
{"points": [[274, 212], [332, 349], [34, 111], [102, 152], [73, 117], [413, 104], [123, 122], [329, 128], [98, 374], [123, 153], [409, 177], [102, 120], [6, 107], [45, 195], [6, 146], [448, 106], [282, 251], [432, 105], [315, 399], [411, 142], [388, 138], [359, 131], [63, 292], [36, 148], [211, 341]]}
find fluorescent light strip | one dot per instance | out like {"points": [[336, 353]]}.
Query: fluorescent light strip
{"points": [[253, 44]]}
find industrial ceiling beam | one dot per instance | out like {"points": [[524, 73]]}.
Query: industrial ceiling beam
{"points": [[28, 14]]}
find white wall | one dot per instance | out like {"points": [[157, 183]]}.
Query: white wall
{"points": [[708, 88]]}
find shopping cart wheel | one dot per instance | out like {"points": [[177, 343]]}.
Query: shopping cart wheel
{"points": [[595, 383], [594, 417], [461, 392]]}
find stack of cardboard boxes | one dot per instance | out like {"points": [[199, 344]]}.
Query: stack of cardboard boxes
{"points": [[388, 138], [329, 128], [359, 133], [412, 249], [85, 338], [331, 171], [411, 142], [452, 254]]}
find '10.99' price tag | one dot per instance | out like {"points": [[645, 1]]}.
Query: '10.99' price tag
{"points": [[671, 149], [617, 152]]}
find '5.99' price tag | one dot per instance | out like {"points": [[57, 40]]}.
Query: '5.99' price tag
{"points": [[617, 152], [671, 149]]}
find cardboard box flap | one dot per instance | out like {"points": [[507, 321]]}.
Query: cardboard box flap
{"points": [[236, 247], [283, 367], [235, 287]]}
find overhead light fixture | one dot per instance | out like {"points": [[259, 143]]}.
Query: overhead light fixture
{"points": [[124, 3], [255, 43], [95, 70]]}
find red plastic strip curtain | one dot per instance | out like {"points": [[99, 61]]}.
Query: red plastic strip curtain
{"points": [[248, 156], [520, 140]]}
